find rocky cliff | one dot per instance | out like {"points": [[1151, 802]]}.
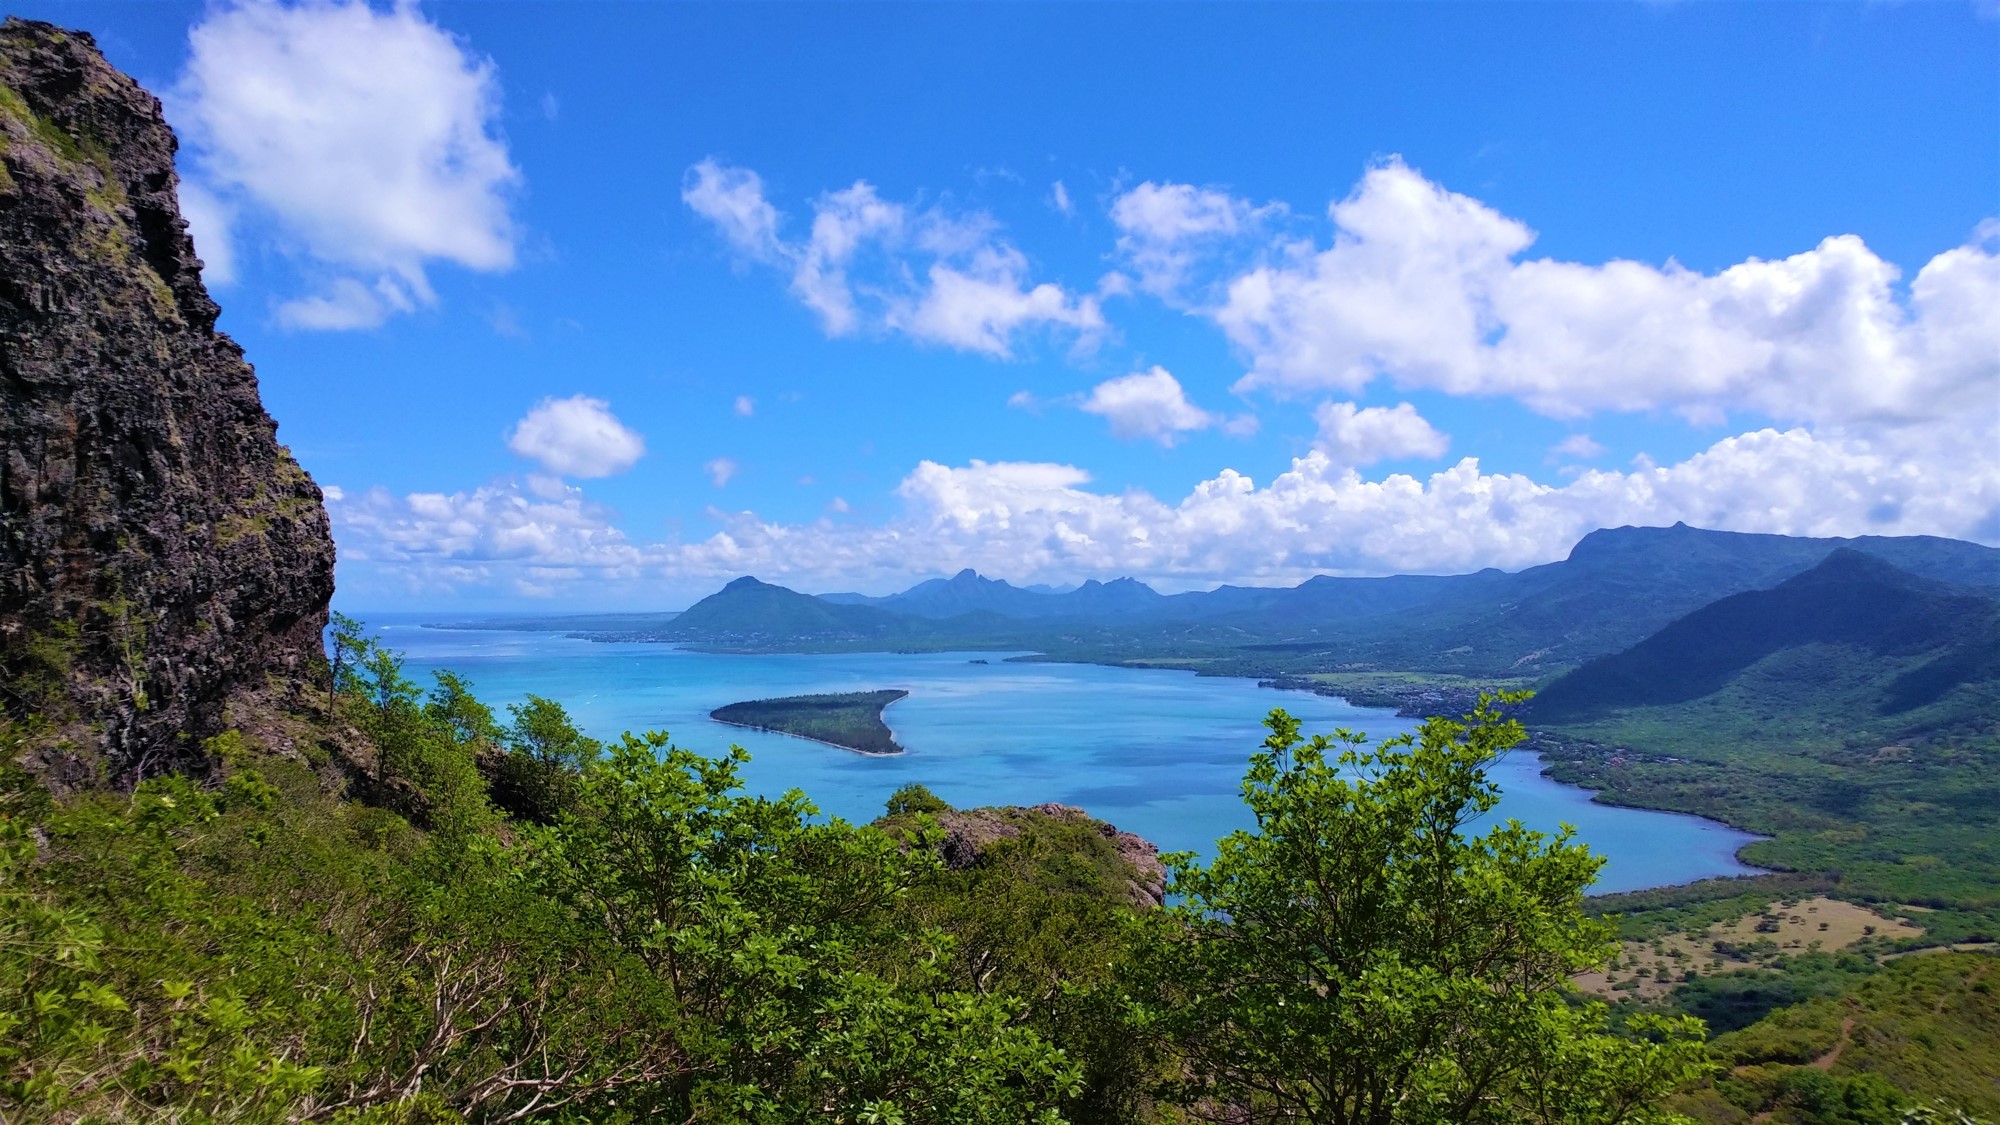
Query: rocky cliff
{"points": [[164, 562]]}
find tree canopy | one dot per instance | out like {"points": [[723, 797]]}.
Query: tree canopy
{"points": [[1364, 956], [498, 922]]}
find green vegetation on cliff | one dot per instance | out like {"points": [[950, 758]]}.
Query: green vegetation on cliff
{"points": [[850, 720]]}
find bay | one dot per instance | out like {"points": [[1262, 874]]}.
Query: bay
{"points": [[1156, 752]]}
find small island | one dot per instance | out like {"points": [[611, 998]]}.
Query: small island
{"points": [[850, 720]]}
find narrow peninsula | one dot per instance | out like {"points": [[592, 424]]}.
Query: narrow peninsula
{"points": [[850, 720]]}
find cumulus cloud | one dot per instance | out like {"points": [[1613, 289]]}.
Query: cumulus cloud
{"points": [[874, 265], [505, 521], [1163, 228], [1060, 200], [1046, 522], [1577, 447], [364, 142], [745, 406], [1041, 522], [1352, 435], [733, 199], [1148, 404], [1876, 401], [576, 437], [1428, 288]]}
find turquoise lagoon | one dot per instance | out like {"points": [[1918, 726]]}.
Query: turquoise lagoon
{"points": [[1160, 753]]}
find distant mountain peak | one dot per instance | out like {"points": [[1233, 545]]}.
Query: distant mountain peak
{"points": [[1845, 564], [747, 582]]}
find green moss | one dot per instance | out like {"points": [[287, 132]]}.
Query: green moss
{"points": [[236, 528], [37, 669], [65, 147], [13, 105], [107, 194]]}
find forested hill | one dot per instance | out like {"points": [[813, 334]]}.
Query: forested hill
{"points": [[1616, 588], [1915, 641], [751, 612]]}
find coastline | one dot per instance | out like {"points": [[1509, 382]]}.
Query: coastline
{"points": [[1450, 698], [809, 738], [882, 715], [1727, 864]]}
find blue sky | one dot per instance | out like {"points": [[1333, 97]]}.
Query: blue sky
{"points": [[600, 305]]}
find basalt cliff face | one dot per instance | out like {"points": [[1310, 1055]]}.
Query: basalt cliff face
{"points": [[165, 565]]}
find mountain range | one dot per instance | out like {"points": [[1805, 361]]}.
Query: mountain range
{"points": [[1617, 587]]}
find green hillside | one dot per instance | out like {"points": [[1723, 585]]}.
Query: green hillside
{"points": [[1900, 643], [1922, 1029], [751, 613], [1850, 713]]}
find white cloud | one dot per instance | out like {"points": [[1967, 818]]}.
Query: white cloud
{"points": [[837, 505], [1060, 200], [1164, 227], [1427, 288], [346, 304], [720, 471], [843, 223], [1148, 404], [1350, 435], [576, 437], [365, 142], [505, 321], [733, 199], [1579, 447], [209, 220], [505, 521], [745, 406], [980, 308], [1041, 522], [874, 265]]}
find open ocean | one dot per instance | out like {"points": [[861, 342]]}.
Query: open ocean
{"points": [[1160, 753]]}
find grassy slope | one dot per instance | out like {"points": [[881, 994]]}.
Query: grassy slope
{"points": [[1928, 1025]]}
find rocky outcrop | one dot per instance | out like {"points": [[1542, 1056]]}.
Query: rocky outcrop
{"points": [[969, 833], [163, 560]]}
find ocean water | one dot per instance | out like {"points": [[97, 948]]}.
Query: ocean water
{"points": [[1160, 753]]}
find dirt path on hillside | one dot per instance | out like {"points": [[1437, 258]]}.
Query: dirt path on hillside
{"points": [[1826, 1061]]}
